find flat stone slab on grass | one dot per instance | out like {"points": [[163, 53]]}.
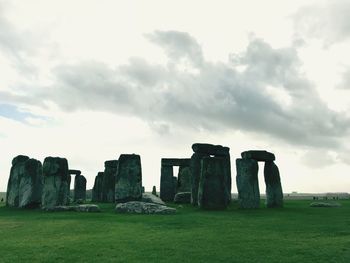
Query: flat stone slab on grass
{"points": [[137, 207], [258, 155], [150, 198], [324, 204], [76, 208], [182, 198]]}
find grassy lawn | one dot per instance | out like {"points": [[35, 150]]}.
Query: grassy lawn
{"points": [[296, 233]]}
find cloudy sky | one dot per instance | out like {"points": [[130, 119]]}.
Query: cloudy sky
{"points": [[89, 80]]}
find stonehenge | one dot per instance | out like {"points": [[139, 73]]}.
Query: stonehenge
{"points": [[79, 188], [202, 151], [108, 181], [247, 180], [56, 182], [128, 183], [168, 182], [25, 184], [97, 188]]}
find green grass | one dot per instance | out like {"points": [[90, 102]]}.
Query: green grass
{"points": [[296, 233]]}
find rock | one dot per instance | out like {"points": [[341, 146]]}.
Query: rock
{"points": [[143, 189], [56, 178], [182, 198], [136, 207], [195, 175], [75, 172], [79, 188], [210, 149], [274, 194], [150, 198], [108, 181], [154, 190], [87, 208], [31, 184], [324, 204], [77, 208], [167, 187], [175, 161], [258, 155], [97, 189], [128, 186], [184, 179], [247, 183], [16, 173], [213, 191]]}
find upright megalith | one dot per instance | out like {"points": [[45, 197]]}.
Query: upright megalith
{"points": [[108, 181], [128, 184], [274, 193], [31, 184], [97, 188], [213, 191], [184, 179], [167, 187], [201, 151], [56, 182], [154, 190], [24, 187], [169, 183], [79, 188], [247, 183], [16, 173]]}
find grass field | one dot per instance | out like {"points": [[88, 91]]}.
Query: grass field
{"points": [[296, 233]]}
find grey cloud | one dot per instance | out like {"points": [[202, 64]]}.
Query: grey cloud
{"points": [[328, 21], [219, 97], [345, 80]]}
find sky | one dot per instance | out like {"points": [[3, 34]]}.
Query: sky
{"points": [[89, 80]]}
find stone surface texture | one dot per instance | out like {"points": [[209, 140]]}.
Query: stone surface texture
{"points": [[128, 186], [247, 183], [137, 207]]}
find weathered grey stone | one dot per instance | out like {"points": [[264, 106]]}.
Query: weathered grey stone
{"points": [[75, 172], [274, 194], [247, 183], [79, 188], [87, 208], [175, 161], [195, 175], [258, 155], [76, 208], [182, 198], [150, 198], [16, 173], [108, 181], [324, 204], [97, 188], [210, 149], [31, 184], [154, 190], [128, 185], [167, 187], [136, 207], [56, 178], [213, 191], [184, 179], [143, 189]]}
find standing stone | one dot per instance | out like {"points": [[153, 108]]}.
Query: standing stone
{"points": [[16, 173], [167, 189], [195, 175], [184, 179], [56, 178], [247, 183], [154, 190], [97, 189], [128, 186], [213, 191], [274, 194], [31, 184], [108, 181], [79, 188], [174, 185]]}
